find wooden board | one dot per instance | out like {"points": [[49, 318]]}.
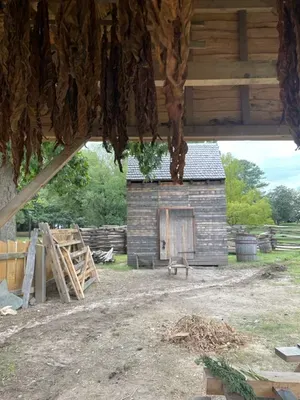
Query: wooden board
{"points": [[163, 233], [288, 380], [288, 354], [29, 269]]}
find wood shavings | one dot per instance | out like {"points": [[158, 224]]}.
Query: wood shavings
{"points": [[204, 335]]}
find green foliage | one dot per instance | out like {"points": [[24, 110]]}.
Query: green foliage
{"points": [[234, 380], [285, 204], [245, 205], [149, 156], [75, 173], [251, 175], [89, 191]]}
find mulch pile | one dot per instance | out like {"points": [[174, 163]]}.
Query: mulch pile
{"points": [[204, 335]]}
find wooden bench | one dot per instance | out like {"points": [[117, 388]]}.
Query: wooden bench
{"points": [[178, 262], [144, 259], [289, 354]]}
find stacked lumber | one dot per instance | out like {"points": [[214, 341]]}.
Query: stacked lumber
{"points": [[106, 237], [71, 260]]}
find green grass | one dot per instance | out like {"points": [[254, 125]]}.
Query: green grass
{"points": [[269, 258], [120, 264]]}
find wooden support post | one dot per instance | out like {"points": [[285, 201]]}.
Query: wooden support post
{"points": [[243, 42], [189, 105], [58, 162], [40, 274], [29, 270]]}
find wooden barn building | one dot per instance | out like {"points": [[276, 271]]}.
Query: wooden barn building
{"points": [[165, 220]]}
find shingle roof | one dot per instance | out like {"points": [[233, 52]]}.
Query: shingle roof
{"points": [[203, 161]]}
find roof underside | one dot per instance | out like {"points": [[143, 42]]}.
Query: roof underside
{"points": [[203, 162], [232, 91]]}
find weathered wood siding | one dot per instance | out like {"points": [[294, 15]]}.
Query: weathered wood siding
{"points": [[208, 201]]}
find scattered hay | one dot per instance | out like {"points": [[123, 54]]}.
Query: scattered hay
{"points": [[204, 335]]}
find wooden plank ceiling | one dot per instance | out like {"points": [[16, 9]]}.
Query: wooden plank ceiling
{"points": [[231, 91]]}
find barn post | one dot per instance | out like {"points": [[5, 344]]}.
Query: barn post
{"points": [[26, 194], [7, 193]]}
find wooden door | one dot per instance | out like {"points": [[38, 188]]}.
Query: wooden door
{"points": [[176, 231]]}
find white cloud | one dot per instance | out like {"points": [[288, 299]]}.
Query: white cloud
{"points": [[278, 159]]}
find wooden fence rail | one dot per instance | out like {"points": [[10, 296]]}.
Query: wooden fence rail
{"points": [[13, 258]]}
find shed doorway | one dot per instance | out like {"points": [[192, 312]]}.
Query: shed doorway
{"points": [[176, 233]]}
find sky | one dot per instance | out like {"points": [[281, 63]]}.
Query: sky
{"points": [[278, 159]]}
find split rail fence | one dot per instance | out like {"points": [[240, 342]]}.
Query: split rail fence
{"points": [[282, 238]]}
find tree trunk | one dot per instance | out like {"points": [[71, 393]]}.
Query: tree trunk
{"points": [[7, 192]]}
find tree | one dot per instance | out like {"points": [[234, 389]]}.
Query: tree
{"points": [[251, 175], [245, 205], [285, 204], [58, 202], [149, 156]]}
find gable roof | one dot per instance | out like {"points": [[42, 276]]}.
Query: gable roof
{"points": [[203, 161]]}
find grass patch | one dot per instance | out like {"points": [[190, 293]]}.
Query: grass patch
{"points": [[7, 369], [120, 264], [281, 328], [287, 257]]}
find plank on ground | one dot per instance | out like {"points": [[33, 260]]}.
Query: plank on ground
{"points": [[288, 354]]}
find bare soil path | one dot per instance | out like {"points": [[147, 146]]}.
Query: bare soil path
{"points": [[109, 346]]}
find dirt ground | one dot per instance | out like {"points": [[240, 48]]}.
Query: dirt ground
{"points": [[109, 345]]}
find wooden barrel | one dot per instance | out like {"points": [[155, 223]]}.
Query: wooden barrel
{"points": [[265, 246], [246, 247]]}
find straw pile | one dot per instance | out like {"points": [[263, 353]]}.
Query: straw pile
{"points": [[204, 335]]}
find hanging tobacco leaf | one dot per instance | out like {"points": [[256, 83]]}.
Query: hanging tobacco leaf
{"points": [[171, 20], [115, 101], [288, 63], [17, 73], [138, 64]]}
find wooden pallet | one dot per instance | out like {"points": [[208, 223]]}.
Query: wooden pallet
{"points": [[72, 263]]}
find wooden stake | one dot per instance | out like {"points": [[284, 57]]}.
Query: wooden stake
{"points": [[29, 270]]}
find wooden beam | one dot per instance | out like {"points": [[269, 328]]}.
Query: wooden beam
{"points": [[189, 105], [210, 132], [226, 6], [243, 49], [226, 73], [12, 256], [58, 162], [216, 6]]}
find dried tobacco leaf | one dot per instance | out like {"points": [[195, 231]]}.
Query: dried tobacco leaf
{"points": [[17, 74], [171, 20], [115, 101], [138, 64]]}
